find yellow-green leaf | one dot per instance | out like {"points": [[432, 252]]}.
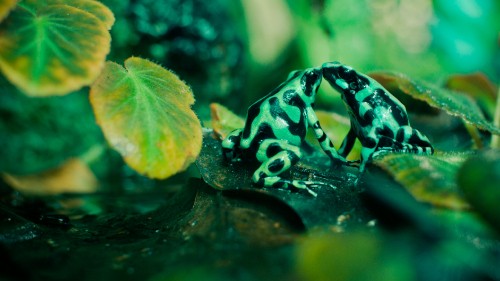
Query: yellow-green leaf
{"points": [[145, 113], [94, 7], [224, 121], [452, 102], [5, 7], [429, 178], [52, 49], [74, 176]]}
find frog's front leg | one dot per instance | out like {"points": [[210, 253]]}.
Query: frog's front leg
{"points": [[324, 141], [278, 156], [369, 145], [231, 146], [348, 142]]}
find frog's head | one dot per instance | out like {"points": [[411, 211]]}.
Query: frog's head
{"points": [[309, 80], [343, 78]]}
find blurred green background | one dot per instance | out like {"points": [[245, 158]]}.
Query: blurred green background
{"points": [[236, 51]]}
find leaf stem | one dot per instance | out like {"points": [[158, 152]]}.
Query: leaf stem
{"points": [[495, 139]]}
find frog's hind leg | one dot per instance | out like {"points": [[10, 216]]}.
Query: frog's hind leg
{"points": [[413, 141], [278, 156], [231, 146]]}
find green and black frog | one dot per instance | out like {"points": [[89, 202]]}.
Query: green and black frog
{"points": [[378, 119], [276, 127]]}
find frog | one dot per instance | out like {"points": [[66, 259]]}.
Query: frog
{"points": [[275, 129], [377, 118]]}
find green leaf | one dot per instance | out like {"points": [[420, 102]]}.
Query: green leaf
{"points": [[52, 49], [454, 103], [479, 178], [429, 178], [476, 85], [145, 113], [5, 7], [96, 8], [224, 121]]}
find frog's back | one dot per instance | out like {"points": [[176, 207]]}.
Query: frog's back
{"points": [[279, 115]]}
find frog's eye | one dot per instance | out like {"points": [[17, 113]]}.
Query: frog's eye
{"points": [[313, 75], [311, 80]]}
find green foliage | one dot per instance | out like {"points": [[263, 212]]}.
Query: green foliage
{"points": [[429, 179], [40, 134], [5, 7], [341, 257], [454, 103], [478, 87], [48, 48], [145, 113], [191, 37], [479, 179]]}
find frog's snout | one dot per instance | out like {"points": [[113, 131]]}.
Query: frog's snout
{"points": [[331, 69]]}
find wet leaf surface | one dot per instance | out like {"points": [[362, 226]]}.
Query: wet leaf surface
{"points": [[195, 232], [452, 102], [429, 178], [145, 113], [192, 226], [330, 205], [45, 49]]}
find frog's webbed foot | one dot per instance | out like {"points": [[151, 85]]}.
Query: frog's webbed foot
{"points": [[231, 144], [278, 182]]}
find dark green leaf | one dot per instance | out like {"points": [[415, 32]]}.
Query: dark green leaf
{"points": [[479, 178], [330, 205]]}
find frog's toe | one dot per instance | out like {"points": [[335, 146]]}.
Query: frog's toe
{"points": [[310, 184]]}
